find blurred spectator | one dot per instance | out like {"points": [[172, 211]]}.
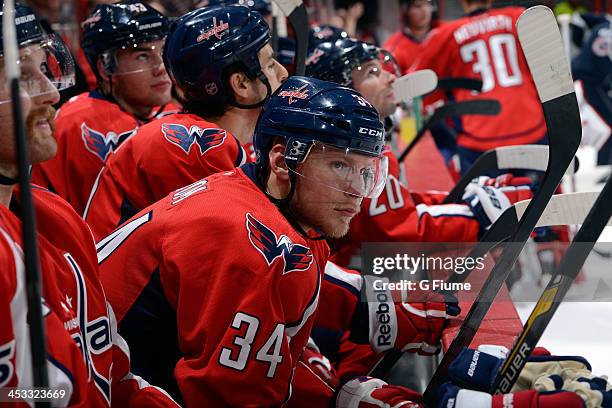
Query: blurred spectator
{"points": [[416, 24]]}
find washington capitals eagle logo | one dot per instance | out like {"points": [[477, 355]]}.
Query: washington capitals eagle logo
{"points": [[296, 257], [183, 138], [100, 144]]}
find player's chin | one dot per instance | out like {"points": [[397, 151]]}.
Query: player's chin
{"points": [[336, 227]]}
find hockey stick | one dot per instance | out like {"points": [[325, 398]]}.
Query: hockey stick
{"points": [[541, 43], [296, 13], [418, 83], [488, 107], [524, 157], [449, 83], [555, 291], [26, 208], [562, 209]]}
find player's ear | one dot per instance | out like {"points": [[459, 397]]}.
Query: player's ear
{"points": [[278, 166], [239, 84], [103, 70]]}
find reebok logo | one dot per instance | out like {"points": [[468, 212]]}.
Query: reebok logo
{"points": [[384, 338]]}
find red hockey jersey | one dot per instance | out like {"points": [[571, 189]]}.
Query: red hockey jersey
{"points": [[88, 128], [225, 286], [484, 45], [404, 49], [163, 155], [74, 297]]}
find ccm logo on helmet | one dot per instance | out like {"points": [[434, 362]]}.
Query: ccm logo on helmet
{"points": [[370, 132]]}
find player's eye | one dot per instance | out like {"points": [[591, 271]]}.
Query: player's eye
{"points": [[142, 57], [374, 71]]}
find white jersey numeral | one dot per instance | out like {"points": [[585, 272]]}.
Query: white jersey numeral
{"points": [[503, 61], [274, 343], [269, 353], [393, 191], [243, 342]]}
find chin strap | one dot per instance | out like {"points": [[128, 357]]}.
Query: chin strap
{"points": [[259, 104], [7, 181]]}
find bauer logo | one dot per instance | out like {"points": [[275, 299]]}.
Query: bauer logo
{"points": [[217, 30], [371, 132], [25, 19], [294, 94]]}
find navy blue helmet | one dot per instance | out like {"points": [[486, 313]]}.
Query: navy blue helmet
{"points": [[263, 7], [204, 44], [324, 33], [306, 110], [28, 28], [335, 61], [114, 26]]}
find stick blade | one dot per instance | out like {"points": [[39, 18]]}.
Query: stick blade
{"points": [[563, 209], [287, 6], [415, 84], [541, 42]]}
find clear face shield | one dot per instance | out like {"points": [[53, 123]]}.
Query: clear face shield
{"points": [[344, 170], [137, 58], [384, 61], [46, 67]]}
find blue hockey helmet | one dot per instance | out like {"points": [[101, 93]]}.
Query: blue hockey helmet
{"points": [[263, 7], [205, 43], [324, 33], [335, 61], [48, 65], [118, 26], [27, 26], [315, 116]]}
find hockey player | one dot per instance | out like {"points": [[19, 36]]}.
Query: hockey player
{"points": [[87, 361], [123, 43], [222, 65], [223, 322], [405, 44], [484, 45]]}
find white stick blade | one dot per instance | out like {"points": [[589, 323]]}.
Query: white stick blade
{"points": [[543, 48], [415, 84], [563, 209], [528, 157], [287, 6]]}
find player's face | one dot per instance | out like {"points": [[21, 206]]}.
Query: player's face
{"points": [[374, 83], [140, 79], [272, 69], [419, 14], [6, 110], [320, 201], [40, 121]]}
